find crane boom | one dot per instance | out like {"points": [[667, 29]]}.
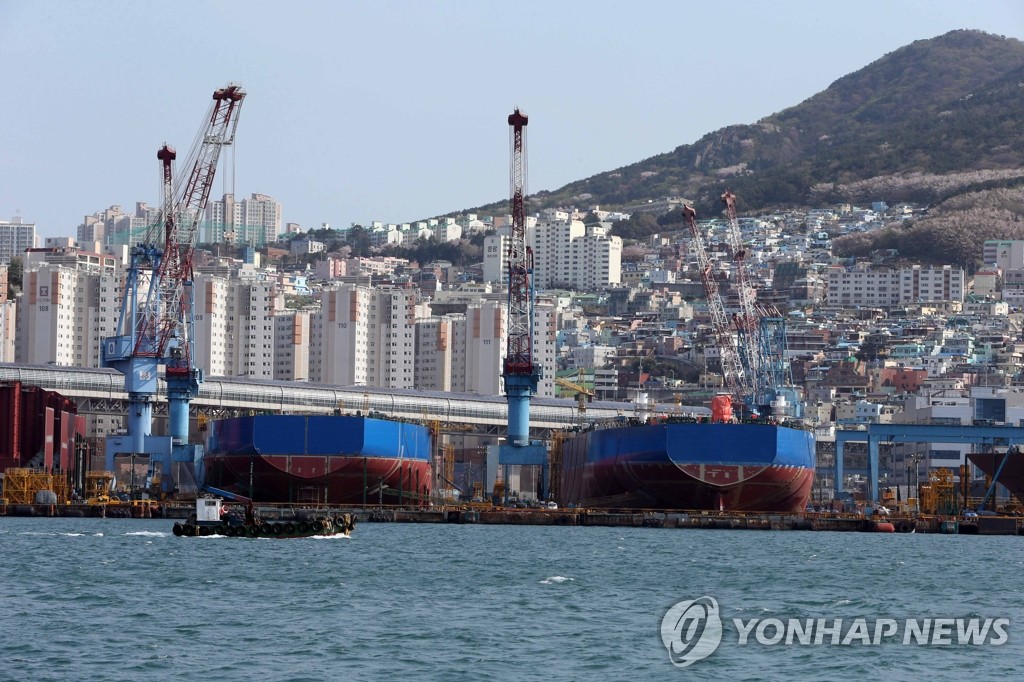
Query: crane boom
{"points": [[732, 366], [747, 320]]}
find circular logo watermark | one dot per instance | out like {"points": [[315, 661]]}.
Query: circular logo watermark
{"points": [[691, 631]]}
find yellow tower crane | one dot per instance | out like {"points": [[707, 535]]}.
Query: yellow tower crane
{"points": [[582, 392]]}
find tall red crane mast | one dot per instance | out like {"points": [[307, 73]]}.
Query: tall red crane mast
{"points": [[520, 374], [747, 320], [732, 365]]}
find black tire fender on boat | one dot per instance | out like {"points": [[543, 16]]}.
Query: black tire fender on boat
{"points": [[278, 529], [178, 530], [318, 526], [289, 528], [218, 530], [303, 527], [204, 531], [266, 529]]}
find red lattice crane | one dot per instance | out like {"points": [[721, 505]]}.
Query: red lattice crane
{"points": [[747, 319], [520, 374], [732, 366], [156, 322]]}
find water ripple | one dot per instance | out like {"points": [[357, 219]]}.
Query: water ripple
{"points": [[85, 597]]}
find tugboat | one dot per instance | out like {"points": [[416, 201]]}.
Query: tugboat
{"points": [[213, 517]]}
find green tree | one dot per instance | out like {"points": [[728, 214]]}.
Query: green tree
{"points": [[15, 273], [359, 239]]}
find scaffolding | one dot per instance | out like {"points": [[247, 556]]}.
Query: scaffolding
{"points": [[938, 496], [21, 485], [98, 483]]}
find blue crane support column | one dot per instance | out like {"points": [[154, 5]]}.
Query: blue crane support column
{"points": [[130, 354], [520, 374]]}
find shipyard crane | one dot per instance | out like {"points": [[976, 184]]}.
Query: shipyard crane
{"points": [[520, 373], [155, 326], [729, 357], [761, 331], [521, 376], [746, 320]]}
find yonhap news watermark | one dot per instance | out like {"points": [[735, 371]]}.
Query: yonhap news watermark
{"points": [[694, 629]]}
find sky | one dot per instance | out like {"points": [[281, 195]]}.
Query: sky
{"points": [[397, 111]]}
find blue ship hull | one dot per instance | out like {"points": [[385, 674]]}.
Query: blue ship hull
{"points": [[320, 459], [688, 465]]}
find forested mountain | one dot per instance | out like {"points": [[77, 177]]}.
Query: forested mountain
{"points": [[932, 120]]}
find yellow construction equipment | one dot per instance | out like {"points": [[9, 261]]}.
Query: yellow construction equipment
{"points": [[938, 496], [98, 483], [582, 392], [21, 485]]}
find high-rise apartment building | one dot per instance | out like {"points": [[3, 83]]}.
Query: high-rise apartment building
{"points": [[210, 306], [863, 286], [486, 332], [291, 345], [250, 339], [8, 330], [254, 221], [392, 348], [364, 336], [566, 254], [340, 336], [65, 314], [114, 226], [15, 237], [437, 354]]}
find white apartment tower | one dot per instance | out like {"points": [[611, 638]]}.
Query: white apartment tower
{"points": [[436, 354], [254, 221], [15, 237], [250, 347], [915, 284], [65, 314], [340, 336], [553, 264], [8, 328], [364, 336], [291, 345], [486, 332], [545, 327], [210, 305], [392, 348], [566, 254]]}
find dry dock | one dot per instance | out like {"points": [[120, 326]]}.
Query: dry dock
{"points": [[811, 521]]}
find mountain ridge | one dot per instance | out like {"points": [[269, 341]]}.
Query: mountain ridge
{"points": [[937, 106]]}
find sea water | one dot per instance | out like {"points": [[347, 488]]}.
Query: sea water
{"points": [[125, 599]]}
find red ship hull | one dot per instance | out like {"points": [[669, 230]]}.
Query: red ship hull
{"points": [[338, 460], [322, 480], [689, 465]]}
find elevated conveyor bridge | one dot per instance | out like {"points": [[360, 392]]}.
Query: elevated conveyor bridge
{"points": [[101, 392]]}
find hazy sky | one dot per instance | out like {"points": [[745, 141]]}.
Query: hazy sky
{"points": [[396, 111]]}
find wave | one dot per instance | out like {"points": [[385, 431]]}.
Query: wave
{"points": [[556, 579]]}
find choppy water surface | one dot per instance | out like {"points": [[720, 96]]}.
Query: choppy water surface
{"points": [[125, 599]]}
